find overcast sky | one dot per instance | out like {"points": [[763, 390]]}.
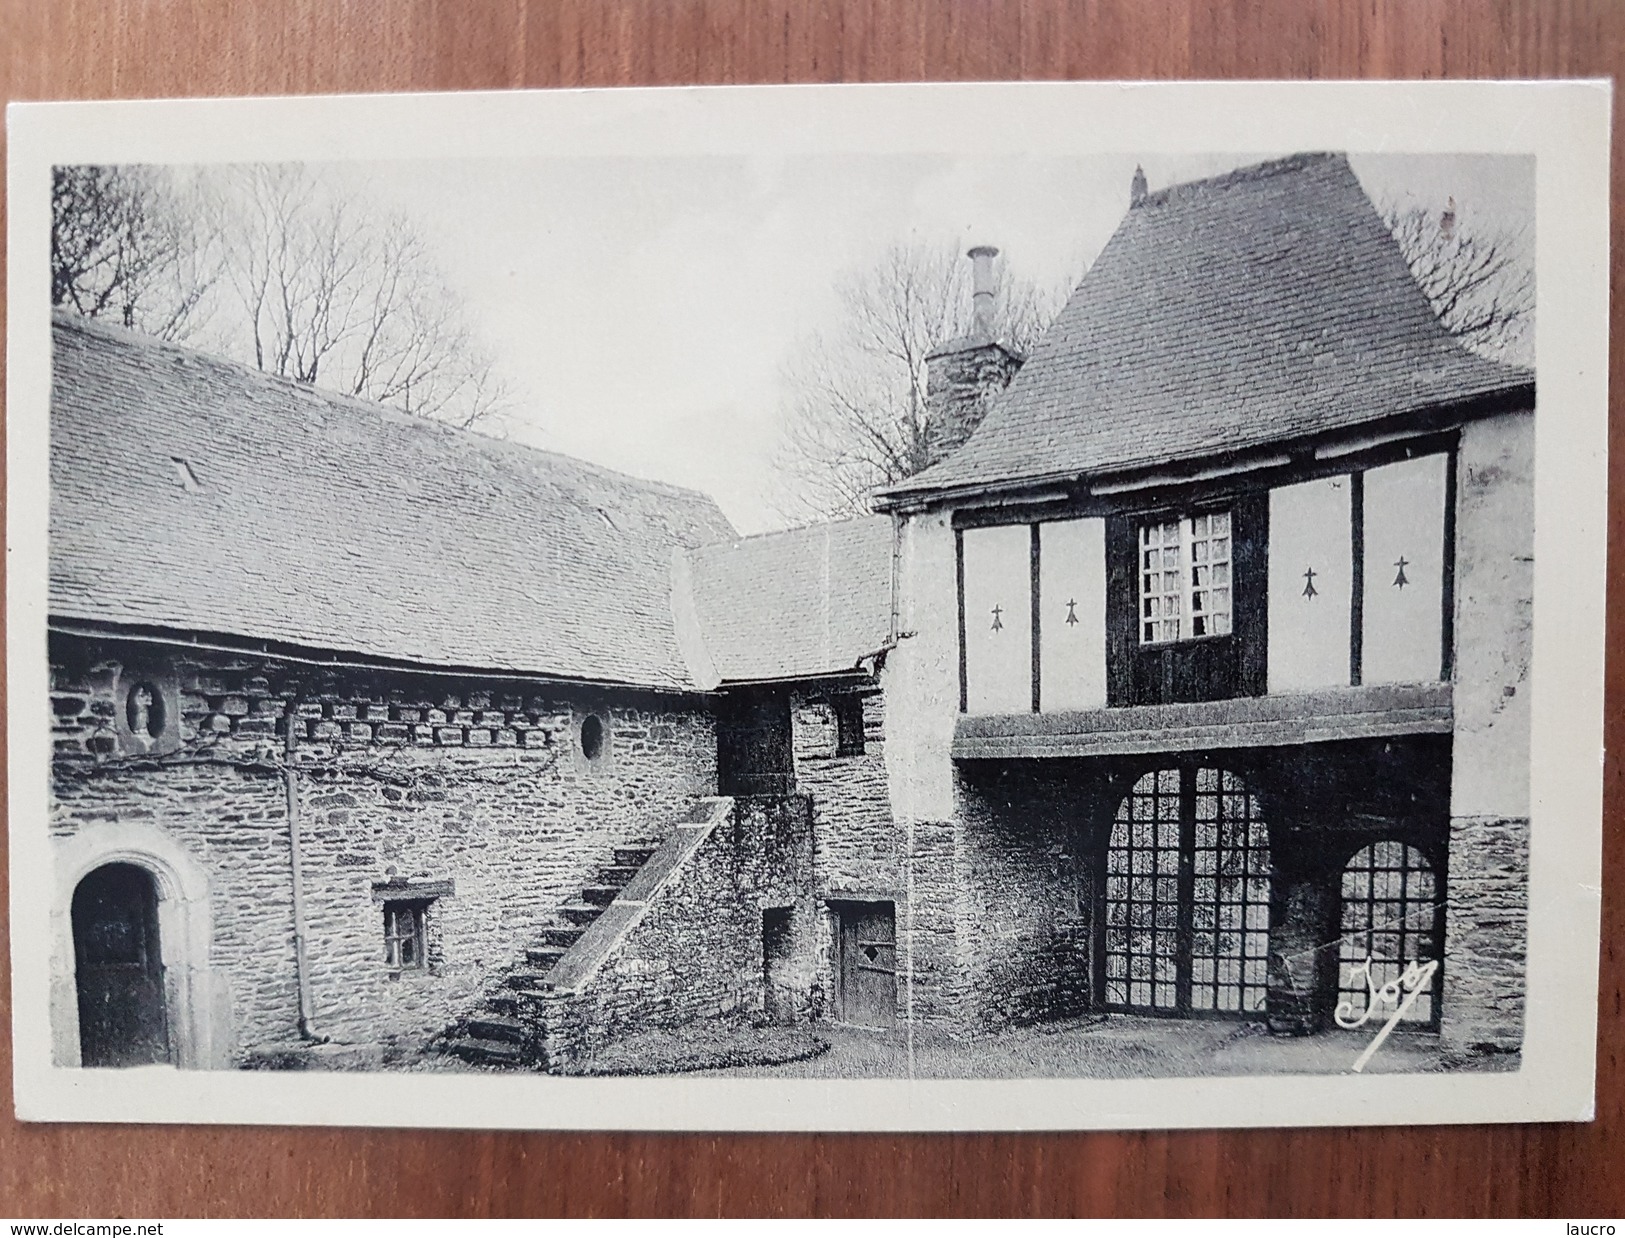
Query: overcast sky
{"points": [[643, 309]]}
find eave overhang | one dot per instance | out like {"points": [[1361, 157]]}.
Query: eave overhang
{"points": [[912, 496]]}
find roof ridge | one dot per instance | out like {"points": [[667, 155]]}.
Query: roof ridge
{"points": [[70, 320], [1244, 175], [772, 533]]}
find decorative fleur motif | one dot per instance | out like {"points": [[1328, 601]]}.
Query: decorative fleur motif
{"points": [[1309, 590], [1071, 612], [998, 624], [1400, 580]]}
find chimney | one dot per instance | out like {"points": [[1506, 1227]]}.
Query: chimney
{"points": [[1447, 221], [1137, 187], [962, 376], [982, 292]]}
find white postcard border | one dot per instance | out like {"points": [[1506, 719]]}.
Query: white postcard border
{"points": [[1564, 124]]}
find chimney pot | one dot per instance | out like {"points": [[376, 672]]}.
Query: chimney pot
{"points": [[981, 257]]}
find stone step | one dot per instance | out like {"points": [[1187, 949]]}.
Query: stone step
{"points": [[497, 1027], [484, 1052], [635, 855], [544, 957], [526, 978], [599, 896], [618, 875], [580, 913], [561, 935], [502, 1005]]}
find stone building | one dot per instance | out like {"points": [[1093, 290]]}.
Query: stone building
{"points": [[1192, 680], [1217, 682], [348, 707]]}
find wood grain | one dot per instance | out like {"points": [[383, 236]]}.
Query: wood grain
{"points": [[82, 49]]}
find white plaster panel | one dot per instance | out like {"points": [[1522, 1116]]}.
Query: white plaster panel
{"points": [[1404, 519], [1072, 615], [998, 620], [1309, 627], [1495, 599], [921, 678]]}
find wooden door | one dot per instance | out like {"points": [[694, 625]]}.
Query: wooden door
{"points": [[869, 964], [122, 1016]]}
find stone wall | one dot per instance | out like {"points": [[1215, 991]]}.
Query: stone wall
{"points": [[864, 853], [400, 779], [695, 945], [1022, 915], [1489, 803]]}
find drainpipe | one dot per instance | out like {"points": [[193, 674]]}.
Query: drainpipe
{"points": [[301, 968], [896, 579]]}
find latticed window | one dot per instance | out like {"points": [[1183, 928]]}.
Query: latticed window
{"points": [[1185, 578], [1187, 886], [405, 942], [1391, 917]]}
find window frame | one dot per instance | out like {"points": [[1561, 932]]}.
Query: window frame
{"points": [[1152, 606], [850, 737], [418, 909]]}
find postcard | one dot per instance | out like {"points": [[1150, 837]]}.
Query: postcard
{"points": [[993, 606]]}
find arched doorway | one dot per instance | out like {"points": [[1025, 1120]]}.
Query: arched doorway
{"points": [[119, 970], [1391, 915], [1187, 897]]}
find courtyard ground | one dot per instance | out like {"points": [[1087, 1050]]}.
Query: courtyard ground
{"points": [[1108, 1047], [1092, 1047]]}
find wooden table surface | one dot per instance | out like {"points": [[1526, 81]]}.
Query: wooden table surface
{"points": [[88, 49]]}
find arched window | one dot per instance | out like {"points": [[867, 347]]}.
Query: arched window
{"points": [[1187, 896], [1391, 911]]}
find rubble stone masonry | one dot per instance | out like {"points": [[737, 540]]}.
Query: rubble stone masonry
{"points": [[699, 949], [401, 780]]}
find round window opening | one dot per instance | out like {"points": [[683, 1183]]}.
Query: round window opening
{"points": [[144, 711], [592, 737]]}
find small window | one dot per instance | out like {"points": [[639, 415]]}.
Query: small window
{"points": [[848, 725], [1185, 578], [405, 941], [592, 737]]}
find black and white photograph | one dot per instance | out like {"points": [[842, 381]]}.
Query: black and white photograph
{"points": [[1025, 596]]}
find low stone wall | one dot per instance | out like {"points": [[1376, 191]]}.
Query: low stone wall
{"points": [[685, 939]]}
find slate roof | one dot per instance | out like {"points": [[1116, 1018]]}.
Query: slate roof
{"points": [[323, 521], [1260, 306], [799, 604]]}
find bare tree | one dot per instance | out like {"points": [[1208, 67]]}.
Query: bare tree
{"points": [[331, 293], [130, 245], [1479, 276], [855, 416], [272, 265]]}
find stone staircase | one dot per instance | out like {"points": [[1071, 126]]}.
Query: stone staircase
{"points": [[496, 1035]]}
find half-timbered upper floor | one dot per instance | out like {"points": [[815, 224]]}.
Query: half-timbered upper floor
{"points": [[1221, 497]]}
